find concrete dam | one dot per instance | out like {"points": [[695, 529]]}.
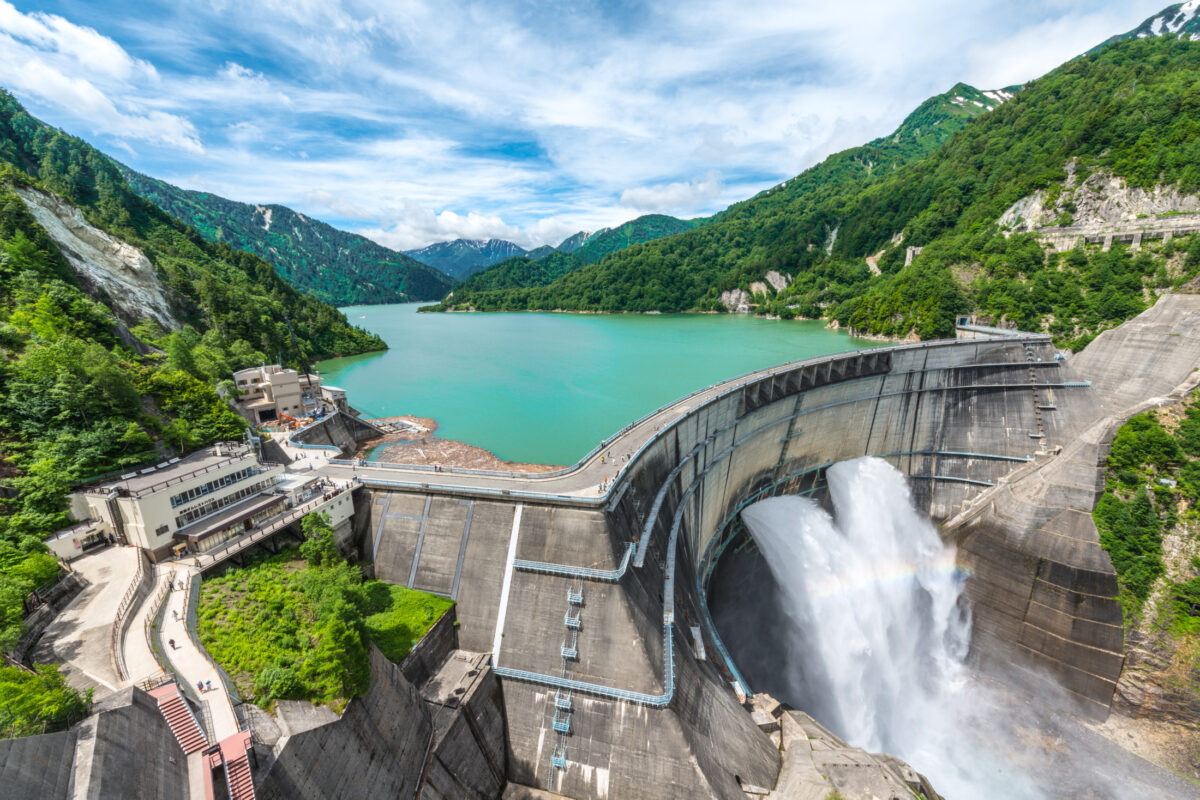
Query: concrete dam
{"points": [[594, 589]]}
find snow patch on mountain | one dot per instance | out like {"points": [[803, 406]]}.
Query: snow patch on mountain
{"points": [[1178, 20]]}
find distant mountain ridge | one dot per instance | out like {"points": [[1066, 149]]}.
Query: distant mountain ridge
{"points": [[333, 265], [464, 257]]}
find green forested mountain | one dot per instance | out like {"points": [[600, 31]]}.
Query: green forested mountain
{"points": [[516, 273], [643, 229], [1132, 109], [540, 252], [79, 394], [574, 242], [688, 271], [335, 266], [545, 265]]}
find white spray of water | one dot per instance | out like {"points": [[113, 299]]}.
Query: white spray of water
{"points": [[880, 634]]}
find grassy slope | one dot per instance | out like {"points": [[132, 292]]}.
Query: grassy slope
{"points": [[284, 630]]}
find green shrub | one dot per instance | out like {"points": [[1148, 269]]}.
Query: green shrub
{"points": [[33, 703]]}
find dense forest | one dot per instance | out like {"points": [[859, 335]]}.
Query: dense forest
{"points": [[337, 267], [1132, 109], [79, 393], [636, 231]]}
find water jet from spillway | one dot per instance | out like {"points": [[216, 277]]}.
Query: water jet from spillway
{"points": [[879, 629]]}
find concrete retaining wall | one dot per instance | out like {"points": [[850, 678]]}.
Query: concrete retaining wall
{"points": [[37, 766], [134, 752], [400, 741], [338, 430]]}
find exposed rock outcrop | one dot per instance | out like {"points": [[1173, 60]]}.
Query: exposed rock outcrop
{"points": [[105, 264], [778, 280], [1100, 200], [736, 300], [817, 763]]}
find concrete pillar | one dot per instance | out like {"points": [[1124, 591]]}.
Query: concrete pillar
{"points": [[1108, 237], [1137, 242]]}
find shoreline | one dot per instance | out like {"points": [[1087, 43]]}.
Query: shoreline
{"points": [[418, 446]]}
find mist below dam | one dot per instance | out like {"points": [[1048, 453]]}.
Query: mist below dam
{"points": [[870, 634]]}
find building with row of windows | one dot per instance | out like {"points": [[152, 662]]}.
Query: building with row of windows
{"points": [[185, 505], [267, 393]]}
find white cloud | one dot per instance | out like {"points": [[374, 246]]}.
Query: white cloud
{"points": [[674, 196], [416, 226], [435, 119], [46, 56]]}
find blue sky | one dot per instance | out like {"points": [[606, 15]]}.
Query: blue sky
{"points": [[414, 122]]}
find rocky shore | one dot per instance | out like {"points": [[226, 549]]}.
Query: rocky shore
{"points": [[416, 444]]}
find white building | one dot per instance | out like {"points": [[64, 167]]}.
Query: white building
{"points": [[191, 504]]}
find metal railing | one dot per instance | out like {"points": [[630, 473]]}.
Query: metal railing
{"points": [[566, 571], [118, 626], [238, 454], [273, 525], [191, 603], [156, 606]]}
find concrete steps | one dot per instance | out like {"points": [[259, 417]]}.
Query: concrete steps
{"points": [[238, 776], [177, 714]]}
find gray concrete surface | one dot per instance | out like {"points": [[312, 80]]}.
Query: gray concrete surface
{"points": [[80, 637], [442, 740], [962, 420]]}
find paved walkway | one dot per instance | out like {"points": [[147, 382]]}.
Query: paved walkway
{"points": [[140, 663], [190, 664], [81, 635]]}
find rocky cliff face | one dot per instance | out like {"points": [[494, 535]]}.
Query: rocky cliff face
{"points": [[105, 264], [1098, 201]]}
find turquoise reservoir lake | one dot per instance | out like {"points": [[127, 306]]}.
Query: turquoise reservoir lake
{"points": [[547, 388]]}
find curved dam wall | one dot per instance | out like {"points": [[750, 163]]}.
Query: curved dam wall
{"points": [[646, 672], [954, 417], [592, 604]]}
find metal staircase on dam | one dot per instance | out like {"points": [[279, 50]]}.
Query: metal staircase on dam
{"points": [[563, 709]]}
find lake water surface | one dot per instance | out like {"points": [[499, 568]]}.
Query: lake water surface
{"points": [[547, 388]]}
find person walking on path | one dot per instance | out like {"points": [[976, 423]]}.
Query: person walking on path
{"points": [[172, 643]]}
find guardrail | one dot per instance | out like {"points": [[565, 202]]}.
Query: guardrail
{"points": [[169, 675], [588, 573], [191, 602], [118, 627], [731, 385], [226, 550], [156, 605]]}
